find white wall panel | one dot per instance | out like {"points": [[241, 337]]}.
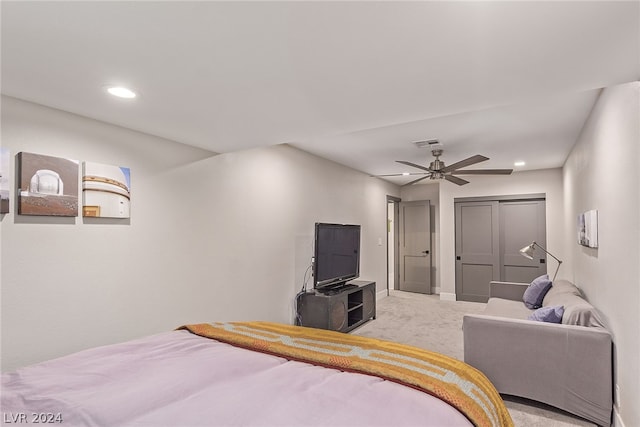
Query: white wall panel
{"points": [[211, 237], [602, 173]]}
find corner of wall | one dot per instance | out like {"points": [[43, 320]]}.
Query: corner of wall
{"points": [[447, 296]]}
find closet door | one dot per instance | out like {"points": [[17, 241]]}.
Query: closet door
{"points": [[477, 249], [489, 236], [522, 222]]}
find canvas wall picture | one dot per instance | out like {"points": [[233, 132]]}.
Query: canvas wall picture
{"points": [[588, 229], [106, 190], [4, 180], [47, 185]]}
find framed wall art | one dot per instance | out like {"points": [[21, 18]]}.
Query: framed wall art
{"points": [[47, 185], [106, 191], [588, 229], [4, 180]]}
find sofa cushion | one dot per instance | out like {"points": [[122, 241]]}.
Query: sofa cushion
{"points": [[535, 293], [560, 287], [551, 314], [577, 311], [507, 308]]}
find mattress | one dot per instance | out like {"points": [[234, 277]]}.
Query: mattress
{"points": [[178, 378]]}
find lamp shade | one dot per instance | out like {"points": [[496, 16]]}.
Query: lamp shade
{"points": [[527, 251]]}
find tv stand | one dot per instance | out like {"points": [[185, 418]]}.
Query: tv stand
{"points": [[336, 289], [342, 309]]}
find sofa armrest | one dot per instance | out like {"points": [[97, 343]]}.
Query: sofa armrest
{"points": [[566, 366], [507, 290]]}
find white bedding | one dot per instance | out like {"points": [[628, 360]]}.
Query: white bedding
{"points": [[180, 379]]}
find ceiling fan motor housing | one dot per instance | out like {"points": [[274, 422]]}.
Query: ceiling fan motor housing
{"points": [[436, 165]]}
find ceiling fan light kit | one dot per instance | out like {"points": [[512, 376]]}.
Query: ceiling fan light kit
{"points": [[438, 170]]}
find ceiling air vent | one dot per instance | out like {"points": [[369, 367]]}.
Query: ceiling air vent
{"points": [[429, 143]]}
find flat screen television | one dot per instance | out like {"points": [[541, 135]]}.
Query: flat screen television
{"points": [[336, 255]]}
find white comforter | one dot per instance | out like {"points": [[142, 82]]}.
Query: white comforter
{"points": [[180, 379]]}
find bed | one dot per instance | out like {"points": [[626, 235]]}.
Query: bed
{"points": [[252, 374]]}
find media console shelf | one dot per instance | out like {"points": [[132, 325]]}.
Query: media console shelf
{"points": [[342, 311]]}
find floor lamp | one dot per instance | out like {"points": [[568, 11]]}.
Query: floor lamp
{"points": [[528, 250]]}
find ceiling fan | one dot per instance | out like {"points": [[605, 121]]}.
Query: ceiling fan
{"points": [[438, 170]]}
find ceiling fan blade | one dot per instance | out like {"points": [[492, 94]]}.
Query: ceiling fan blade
{"points": [[464, 163], [455, 180], [416, 180], [483, 172], [402, 174], [424, 168]]}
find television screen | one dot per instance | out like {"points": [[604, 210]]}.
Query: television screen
{"points": [[337, 254]]}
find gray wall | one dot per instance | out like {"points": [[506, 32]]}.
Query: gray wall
{"points": [[602, 173], [211, 237]]}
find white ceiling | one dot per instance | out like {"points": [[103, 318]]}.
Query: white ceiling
{"points": [[355, 82]]}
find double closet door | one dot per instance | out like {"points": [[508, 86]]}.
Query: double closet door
{"points": [[489, 236]]}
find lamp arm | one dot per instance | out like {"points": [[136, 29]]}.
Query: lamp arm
{"points": [[547, 252], [553, 256]]}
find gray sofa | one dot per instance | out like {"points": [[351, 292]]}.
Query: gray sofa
{"points": [[567, 365]]}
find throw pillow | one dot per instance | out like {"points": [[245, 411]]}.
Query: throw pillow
{"points": [[534, 294], [548, 314]]}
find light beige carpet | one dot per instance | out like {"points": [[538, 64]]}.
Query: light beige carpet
{"points": [[427, 322]]}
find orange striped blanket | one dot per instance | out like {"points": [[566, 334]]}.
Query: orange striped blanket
{"points": [[451, 380]]}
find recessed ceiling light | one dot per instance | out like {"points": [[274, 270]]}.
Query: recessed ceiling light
{"points": [[519, 163], [121, 92], [405, 173]]}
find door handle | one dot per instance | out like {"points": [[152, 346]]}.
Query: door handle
{"points": [[425, 252], [458, 258]]}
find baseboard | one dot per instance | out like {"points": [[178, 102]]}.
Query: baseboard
{"points": [[446, 296], [381, 294], [617, 421]]}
